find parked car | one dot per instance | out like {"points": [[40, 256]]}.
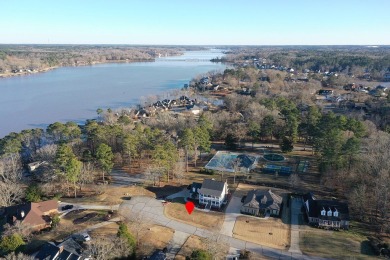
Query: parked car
{"points": [[66, 207], [86, 237]]}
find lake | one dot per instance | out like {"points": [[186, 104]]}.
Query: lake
{"points": [[74, 93]]}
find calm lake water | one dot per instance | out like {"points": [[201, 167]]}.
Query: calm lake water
{"points": [[74, 93]]}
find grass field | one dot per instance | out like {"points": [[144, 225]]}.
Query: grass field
{"points": [[335, 244], [206, 220], [268, 232], [154, 237]]}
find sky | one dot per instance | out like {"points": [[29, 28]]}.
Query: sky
{"points": [[199, 22]]}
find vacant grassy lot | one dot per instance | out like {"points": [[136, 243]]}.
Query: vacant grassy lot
{"points": [[268, 232], [334, 244], [152, 238], [111, 195], [207, 220]]}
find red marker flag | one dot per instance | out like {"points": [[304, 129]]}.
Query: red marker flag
{"points": [[190, 207]]}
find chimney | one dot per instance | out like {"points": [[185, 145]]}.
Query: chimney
{"points": [[61, 249]]}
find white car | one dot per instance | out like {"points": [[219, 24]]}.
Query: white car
{"points": [[86, 237]]}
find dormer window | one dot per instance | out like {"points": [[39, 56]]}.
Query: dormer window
{"points": [[323, 212], [336, 213], [329, 213]]}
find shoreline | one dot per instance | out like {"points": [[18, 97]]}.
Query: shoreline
{"points": [[27, 73]]}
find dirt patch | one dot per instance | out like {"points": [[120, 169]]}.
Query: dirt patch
{"points": [[206, 220], [85, 218], [334, 244], [268, 232]]}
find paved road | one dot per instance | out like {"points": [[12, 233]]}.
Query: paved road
{"points": [[231, 214], [178, 240], [150, 209], [296, 205], [83, 206], [122, 178]]}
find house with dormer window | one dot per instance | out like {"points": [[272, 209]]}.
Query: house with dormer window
{"points": [[261, 202], [213, 193], [330, 214]]}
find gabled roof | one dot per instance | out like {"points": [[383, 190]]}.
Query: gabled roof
{"points": [[212, 187], [30, 213], [314, 208], [71, 246], [262, 199], [48, 205]]}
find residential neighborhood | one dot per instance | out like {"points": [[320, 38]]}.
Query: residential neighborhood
{"points": [[271, 158]]}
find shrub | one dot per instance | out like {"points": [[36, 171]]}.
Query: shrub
{"points": [[11, 243], [200, 255], [55, 221], [33, 193], [123, 232], [245, 254]]}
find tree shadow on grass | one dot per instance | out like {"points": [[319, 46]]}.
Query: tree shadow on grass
{"points": [[165, 191], [365, 248]]}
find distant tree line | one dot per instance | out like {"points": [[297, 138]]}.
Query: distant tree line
{"points": [[37, 57]]}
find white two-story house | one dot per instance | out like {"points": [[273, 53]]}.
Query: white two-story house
{"points": [[213, 193]]}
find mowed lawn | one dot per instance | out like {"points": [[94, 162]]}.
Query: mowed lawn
{"points": [[207, 220], [268, 232], [334, 244]]}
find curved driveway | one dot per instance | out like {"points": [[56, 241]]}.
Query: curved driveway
{"points": [[150, 209]]}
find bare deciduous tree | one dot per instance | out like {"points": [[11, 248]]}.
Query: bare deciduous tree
{"points": [[294, 180], [46, 153], [10, 180], [106, 248], [216, 244]]}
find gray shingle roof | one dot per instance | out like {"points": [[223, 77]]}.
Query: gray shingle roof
{"points": [[262, 199], [212, 187]]}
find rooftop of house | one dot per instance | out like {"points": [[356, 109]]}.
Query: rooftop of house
{"points": [[158, 255], [49, 251], [71, 246], [196, 185], [263, 199], [315, 208], [212, 187], [30, 213]]}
